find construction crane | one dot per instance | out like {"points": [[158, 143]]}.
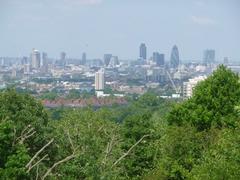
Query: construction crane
{"points": [[177, 90]]}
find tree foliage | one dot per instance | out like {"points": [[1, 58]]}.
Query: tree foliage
{"points": [[222, 160], [212, 103], [21, 117]]}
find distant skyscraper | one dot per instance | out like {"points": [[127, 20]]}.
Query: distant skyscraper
{"points": [[107, 58], [44, 59], [225, 60], [209, 56], [114, 61], [99, 80], [84, 58], [2, 62], [44, 63], [143, 51], [36, 59], [63, 58], [158, 59], [24, 60], [174, 61]]}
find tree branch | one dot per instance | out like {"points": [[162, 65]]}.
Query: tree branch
{"points": [[74, 149], [57, 163], [35, 156], [37, 172], [70, 140], [27, 132], [108, 149], [30, 167], [129, 150]]}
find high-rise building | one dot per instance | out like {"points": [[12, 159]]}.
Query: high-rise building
{"points": [[161, 61], [99, 80], [24, 60], [225, 61], [44, 59], [113, 61], [158, 59], [143, 51], [2, 62], [84, 58], [36, 59], [63, 59], [62, 56], [174, 60], [44, 64], [209, 56], [106, 59]]}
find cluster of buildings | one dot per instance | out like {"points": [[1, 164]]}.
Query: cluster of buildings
{"points": [[169, 76]]}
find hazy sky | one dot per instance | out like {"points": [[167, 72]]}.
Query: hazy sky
{"points": [[119, 26]]}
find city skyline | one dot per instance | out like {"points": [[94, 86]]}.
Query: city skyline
{"points": [[143, 50], [100, 27]]}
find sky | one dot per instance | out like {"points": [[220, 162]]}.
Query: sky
{"points": [[119, 26]]}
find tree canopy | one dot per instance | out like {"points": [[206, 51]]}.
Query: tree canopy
{"points": [[213, 102]]}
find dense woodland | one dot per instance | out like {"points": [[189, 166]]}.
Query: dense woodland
{"points": [[151, 138]]}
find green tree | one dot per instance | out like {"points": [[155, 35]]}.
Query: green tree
{"points": [[22, 124], [140, 160], [179, 150], [49, 95], [212, 103], [95, 141], [222, 159], [73, 94]]}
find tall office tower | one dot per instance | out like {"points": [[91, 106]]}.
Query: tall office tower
{"points": [[63, 58], [2, 62], [158, 59], [24, 60], [209, 56], [106, 59], [174, 60], [36, 59], [84, 58], [44, 59], [113, 61], [225, 61], [44, 63], [99, 80], [143, 51]]}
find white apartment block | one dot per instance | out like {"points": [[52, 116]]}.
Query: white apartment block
{"points": [[99, 80], [189, 86]]}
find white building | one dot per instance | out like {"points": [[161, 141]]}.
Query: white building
{"points": [[99, 80], [36, 59], [189, 86]]}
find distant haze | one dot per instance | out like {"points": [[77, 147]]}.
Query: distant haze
{"points": [[119, 26]]}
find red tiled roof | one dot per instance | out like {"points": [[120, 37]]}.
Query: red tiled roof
{"points": [[94, 101]]}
